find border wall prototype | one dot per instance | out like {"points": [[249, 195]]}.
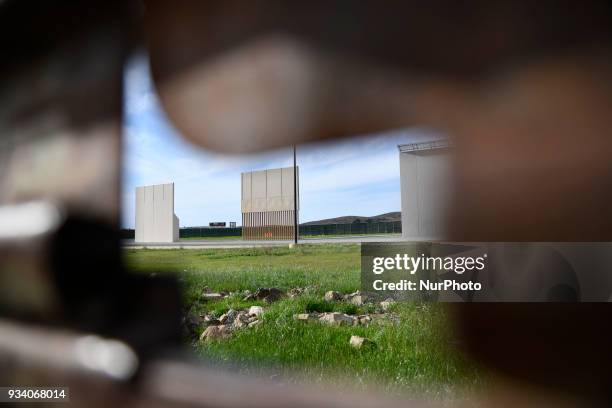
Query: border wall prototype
{"points": [[155, 218], [268, 204], [426, 183]]}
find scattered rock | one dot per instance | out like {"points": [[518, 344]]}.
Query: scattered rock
{"points": [[332, 295], [385, 318], [358, 300], [349, 296], [254, 323], [363, 320], [215, 332], [386, 304], [230, 316], [241, 320], [207, 297], [256, 311], [211, 320], [336, 319], [269, 295], [295, 292], [306, 316], [359, 342]]}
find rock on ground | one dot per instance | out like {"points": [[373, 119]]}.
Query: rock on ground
{"points": [[241, 320], [336, 319], [358, 300], [359, 342], [228, 317], [332, 295], [210, 320], [363, 320], [211, 296], [295, 292], [350, 296], [386, 304], [256, 311], [215, 332], [254, 323], [268, 295], [306, 316]]}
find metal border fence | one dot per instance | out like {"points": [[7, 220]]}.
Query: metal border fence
{"points": [[357, 228], [194, 232]]}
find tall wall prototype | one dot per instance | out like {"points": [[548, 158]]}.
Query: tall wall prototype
{"points": [[268, 204], [425, 177], [155, 218]]}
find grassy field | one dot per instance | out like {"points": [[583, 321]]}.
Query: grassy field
{"points": [[414, 353]]}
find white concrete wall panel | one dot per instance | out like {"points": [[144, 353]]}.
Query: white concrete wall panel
{"points": [[268, 190], [409, 193], [155, 219], [139, 224], [287, 189], [425, 188], [149, 215], [258, 191], [246, 201], [175, 228], [259, 184], [274, 183], [274, 190], [267, 204], [160, 223], [287, 181]]}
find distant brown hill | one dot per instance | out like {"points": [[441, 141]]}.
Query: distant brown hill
{"points": [[349, 219]]}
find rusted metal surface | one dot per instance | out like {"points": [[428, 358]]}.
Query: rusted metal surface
{"points": [[268, 225]]}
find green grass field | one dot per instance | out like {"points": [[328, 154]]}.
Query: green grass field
{"points": [[414, 354]]}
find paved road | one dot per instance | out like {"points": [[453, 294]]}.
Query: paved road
{"points": [[238, 243]]}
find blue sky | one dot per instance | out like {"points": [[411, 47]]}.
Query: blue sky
{"points": [[355, 176]]}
